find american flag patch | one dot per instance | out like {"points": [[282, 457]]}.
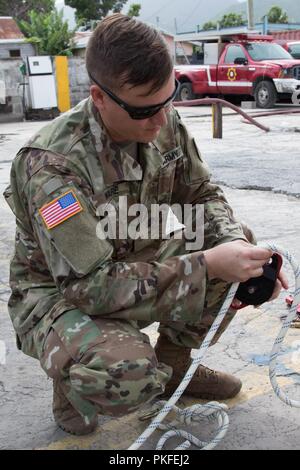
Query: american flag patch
{"points": [[60, 209]]}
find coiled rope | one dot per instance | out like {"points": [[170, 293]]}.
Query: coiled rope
{"points": [[213, 410]]}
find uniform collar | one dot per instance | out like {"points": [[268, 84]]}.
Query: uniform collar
{"points": [[117, 164]]}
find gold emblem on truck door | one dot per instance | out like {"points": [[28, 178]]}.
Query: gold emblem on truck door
{"points": [[231, 74]]}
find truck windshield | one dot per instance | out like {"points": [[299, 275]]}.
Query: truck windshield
{"points": [[266, 51], [294, 50]]}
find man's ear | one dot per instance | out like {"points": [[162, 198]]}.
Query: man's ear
{"points": [[97, 96]]}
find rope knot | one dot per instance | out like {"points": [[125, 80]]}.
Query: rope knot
{"points": [[213, 410]]}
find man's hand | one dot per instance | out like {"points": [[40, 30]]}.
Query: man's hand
{"points": [[281, 283], [236, 261]]}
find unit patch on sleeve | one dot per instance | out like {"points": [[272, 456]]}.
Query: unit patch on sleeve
{"points": [[60, 209]]}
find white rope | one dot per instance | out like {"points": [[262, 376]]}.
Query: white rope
{"points": [[285, 327], [191, 416], [213, 410]]}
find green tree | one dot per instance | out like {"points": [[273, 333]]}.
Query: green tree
{"points": [[209, 25], [91, 10], [277, 15], [231, 20], [49, 32], [19, 9], [134, 10]]}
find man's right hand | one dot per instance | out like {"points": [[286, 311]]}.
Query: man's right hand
{"points": [[236, 261]]}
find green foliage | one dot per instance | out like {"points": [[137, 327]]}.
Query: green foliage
{"points": [[232, 20], [209, 25], [19, 9], [229, 20], [89, 10], [277, 15], [49, 32], [134, 10]]}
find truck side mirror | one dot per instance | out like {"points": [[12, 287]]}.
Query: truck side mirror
{"points": [[241, 61]]}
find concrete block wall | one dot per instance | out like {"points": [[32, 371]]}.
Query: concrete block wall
{"points": [[12, 109], [79, 80]]}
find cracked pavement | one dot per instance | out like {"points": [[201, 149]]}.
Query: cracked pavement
{"points": [[245, 158]]}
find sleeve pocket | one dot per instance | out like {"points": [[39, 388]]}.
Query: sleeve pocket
{"points": [[75, 239]]}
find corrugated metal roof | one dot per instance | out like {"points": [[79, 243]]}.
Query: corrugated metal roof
{"points": [[287, 35], [81, 39], [213, 35], [9, 29]]}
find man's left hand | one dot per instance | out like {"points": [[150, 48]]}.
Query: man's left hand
{"points": [[281, 283]]}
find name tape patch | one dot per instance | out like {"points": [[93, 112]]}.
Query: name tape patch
{"points": [[60, 209], [172, 155]]}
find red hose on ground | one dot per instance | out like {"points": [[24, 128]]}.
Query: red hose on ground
{"points": [[204, 101], [274, 113]]}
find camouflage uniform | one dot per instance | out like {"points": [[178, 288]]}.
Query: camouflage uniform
{"points": [[78, 302]]}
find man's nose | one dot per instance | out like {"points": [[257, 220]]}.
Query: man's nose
{"points": [[160, 118]]}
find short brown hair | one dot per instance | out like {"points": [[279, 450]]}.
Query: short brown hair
{"points": [[123, 50]]}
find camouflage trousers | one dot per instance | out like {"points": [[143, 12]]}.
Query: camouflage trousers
{"points": [[107, 366]]}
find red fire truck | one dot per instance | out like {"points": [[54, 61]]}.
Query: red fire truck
{"points": [[243, 64]]}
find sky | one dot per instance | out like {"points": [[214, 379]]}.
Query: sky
{"points": [[154, 11], [68, 12], [160, 11]]}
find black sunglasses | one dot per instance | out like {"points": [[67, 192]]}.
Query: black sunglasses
{"points": [[140, 112]]}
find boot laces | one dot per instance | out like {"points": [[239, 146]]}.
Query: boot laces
{"points": [[206, 371]]}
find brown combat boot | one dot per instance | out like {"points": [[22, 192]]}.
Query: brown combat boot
{"points": [[206, 383], [65, 415]]}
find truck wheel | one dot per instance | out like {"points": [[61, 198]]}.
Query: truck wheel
{"points": [[186, 92], [265, 94]]}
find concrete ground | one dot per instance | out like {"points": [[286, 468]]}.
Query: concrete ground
{"points": [[245, 158]]}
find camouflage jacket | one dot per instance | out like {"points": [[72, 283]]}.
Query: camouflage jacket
{"points": [[68, 266]]}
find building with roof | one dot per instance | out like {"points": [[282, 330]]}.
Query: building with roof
{"points": [[13, 50], [13, 44], [184, 49], [281, 32]]}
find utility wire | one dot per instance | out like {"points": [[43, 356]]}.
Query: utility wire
{"points": [[191, 13], [160, 9]]}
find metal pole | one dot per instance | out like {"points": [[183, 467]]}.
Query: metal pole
{"points": [[266, 24], [217, 120], [250, 15], [176, 27]]}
